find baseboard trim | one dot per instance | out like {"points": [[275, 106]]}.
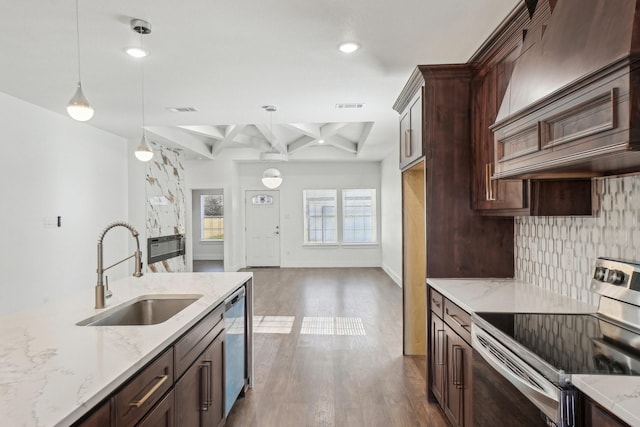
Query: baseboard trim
{"points": [[392, 274]]}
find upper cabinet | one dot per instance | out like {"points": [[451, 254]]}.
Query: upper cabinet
{"points": [[570, 108], [494, 65], [411, 148]]}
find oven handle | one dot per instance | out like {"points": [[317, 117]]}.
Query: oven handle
{"points": [[540, 391]]}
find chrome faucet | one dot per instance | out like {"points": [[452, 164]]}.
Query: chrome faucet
{"points": [[100, 288]]}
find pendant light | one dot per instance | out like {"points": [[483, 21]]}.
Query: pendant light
{"points": [[271, 178], [143, 152], [78, 107]]}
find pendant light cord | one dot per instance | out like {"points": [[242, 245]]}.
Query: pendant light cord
{"points": [[78, 41], [142, 84]]}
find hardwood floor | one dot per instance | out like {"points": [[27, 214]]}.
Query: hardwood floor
{"points": [[307, 379], [208, 266]]}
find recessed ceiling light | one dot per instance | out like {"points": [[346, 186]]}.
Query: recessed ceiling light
{"points": [[182, 109], [321, 141], [349, 47], [137, 52]]}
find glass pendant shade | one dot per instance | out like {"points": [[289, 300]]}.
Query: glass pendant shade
{"points": [[79, 108], [144, 153], [271, 178]]}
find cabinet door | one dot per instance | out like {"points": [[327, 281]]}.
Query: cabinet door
{"points": [[596, 416], [458, 404], [411, 132], [161, 415], [404, 141], [199, 394], [100, 417], [438, 359]]}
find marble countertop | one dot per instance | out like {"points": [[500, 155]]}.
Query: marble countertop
{"points": [[506, 295], [52, 371], [618, 394]]}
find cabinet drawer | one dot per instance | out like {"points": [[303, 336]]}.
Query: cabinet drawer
{"points": [[436, 302], [144, 390], [194, 342], [458, 319]]}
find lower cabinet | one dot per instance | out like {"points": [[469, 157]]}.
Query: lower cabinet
{"points": [[201, 390], [457, 389], [450, 359], [184, 386], [162, 414], [596, 416]]}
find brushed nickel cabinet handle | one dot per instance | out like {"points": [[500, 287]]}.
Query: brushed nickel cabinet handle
{"points": [[407, 143], [138, 403], [458, 357], [439, 348], [205, 386], [489, 183]]}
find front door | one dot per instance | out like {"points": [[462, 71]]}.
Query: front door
{"points": [[262, 225]]}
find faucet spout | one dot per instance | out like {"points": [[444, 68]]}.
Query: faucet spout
{"points": [[100, 290]]}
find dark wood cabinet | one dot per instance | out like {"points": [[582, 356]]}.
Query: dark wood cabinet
{"points": [[596, 416], [450, 359], [200, 391], [493, 66], [142, 392], [99, 417], [161, 415], [411, 124]]}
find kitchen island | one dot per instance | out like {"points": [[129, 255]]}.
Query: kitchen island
{"points": [[53, 371], [617, 393]]}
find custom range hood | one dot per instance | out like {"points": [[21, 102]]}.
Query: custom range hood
{"points": [[572, 107]]}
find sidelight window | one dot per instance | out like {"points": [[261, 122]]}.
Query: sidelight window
{"points": [[212, 216]]}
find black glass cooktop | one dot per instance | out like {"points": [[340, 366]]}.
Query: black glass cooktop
{"points": [[573, 343]]}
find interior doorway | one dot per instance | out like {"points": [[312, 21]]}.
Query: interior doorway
{"points": [[208, 229], [262, 224], [414, 260]]}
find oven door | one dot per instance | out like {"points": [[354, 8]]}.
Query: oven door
{"points": [[508, 392]]}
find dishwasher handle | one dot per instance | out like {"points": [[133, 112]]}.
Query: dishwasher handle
{"points": [[234, 298]]}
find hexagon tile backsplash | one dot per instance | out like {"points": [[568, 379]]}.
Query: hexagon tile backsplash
{"points": [[558, 253]]}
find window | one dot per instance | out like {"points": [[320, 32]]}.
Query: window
{"points": [[212, 217], [359, 216], [320, 219]]}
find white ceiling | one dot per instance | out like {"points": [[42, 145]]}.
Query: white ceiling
{"points": [[229, 58]]}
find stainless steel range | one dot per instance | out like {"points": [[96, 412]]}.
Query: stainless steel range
{"points": [[523, 362]]}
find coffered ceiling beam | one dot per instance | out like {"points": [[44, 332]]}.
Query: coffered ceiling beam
{"points": [[174, 136], [300, 143], [364, 135], [209, 131], [309, 129], [343, 143], [271, 138]]}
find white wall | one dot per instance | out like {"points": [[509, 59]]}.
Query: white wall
{"points": [[298, 176], [53, 165], [391, 214]]}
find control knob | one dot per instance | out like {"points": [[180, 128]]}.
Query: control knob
{"points": [[600, 274], [616, 277]]}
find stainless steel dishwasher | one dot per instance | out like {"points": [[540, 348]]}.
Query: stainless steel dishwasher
{"points": [[235, 351]]}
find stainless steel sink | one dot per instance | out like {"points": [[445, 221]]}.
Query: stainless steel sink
{"points": [[144, 310]]}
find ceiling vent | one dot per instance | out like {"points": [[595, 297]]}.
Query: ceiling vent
{"points": [[352, 105], [182, 109]]}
